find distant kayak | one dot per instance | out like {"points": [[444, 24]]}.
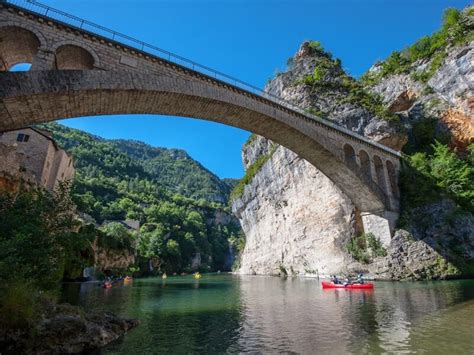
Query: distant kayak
{"points": [[327, 284], [107, 285]]}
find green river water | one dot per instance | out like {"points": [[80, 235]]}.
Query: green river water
{"points": [[250, 314]]}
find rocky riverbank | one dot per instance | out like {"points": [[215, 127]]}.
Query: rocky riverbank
{"points": [[65, 329]]}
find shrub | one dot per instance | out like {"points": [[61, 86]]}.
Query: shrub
{"points": [[365, 247], [454, 30]]}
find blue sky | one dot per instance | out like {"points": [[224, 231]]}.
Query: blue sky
{"points": [[248, 39]]}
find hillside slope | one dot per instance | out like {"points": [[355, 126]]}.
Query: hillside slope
{"points": [[116, 180]]}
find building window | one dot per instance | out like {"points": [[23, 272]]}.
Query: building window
{"points": [[22, 137]]}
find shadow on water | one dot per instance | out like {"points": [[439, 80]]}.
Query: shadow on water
{"points": [[233, 314]]}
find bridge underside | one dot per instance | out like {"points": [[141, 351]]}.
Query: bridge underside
{"points": [[39, 96]]}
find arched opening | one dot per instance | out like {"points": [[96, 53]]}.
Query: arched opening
{"points": [[365, 163], [70, 57], [379, 171], [392, 178], [17, 45], [20, 67], [350, 156]]}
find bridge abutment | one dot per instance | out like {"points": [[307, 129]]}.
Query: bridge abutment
{"points": [[382, 226]]}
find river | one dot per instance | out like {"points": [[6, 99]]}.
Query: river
{"points": [[233, 314]]}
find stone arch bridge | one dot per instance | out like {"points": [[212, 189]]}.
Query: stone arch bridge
{"points": [[82, 69]]}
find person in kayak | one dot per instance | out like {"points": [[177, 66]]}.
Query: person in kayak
{"points": [[360, 278], [347, 281], [335, 280]]}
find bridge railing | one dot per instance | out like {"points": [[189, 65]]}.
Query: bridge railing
{"points": [[149, 49]]}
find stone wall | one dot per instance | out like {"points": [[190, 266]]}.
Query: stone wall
{"points": [[37, 160]]}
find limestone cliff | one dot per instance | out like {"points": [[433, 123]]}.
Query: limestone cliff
{"points": [[294, 218], [297, 221]]}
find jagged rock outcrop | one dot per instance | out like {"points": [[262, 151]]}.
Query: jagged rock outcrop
{"points": [[297, 222], [329, 96]]}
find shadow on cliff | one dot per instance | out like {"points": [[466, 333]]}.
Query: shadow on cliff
{"points": [[433, 215]]}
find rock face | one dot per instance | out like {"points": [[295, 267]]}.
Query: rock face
{"points": [[295, 219], [113, 259], [330, 100], [427, 252], [65, 329], [297, 222], [448, 95]]}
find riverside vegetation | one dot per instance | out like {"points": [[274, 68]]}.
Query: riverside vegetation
{"points": [[180, 206]]}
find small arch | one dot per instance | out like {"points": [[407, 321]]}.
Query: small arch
{"points": [[71, 57], [380, 173], [392, 178], [350, 156], [365, 163], [17, 45]]}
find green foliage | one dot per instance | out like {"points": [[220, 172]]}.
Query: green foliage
{"points": [[126, 179], [315, 45], [365, 247], [103, 164], [428, 177], [357, 94], [237, 242], [375, 246], [454, 31], [251, 139], [38, 235], [40, 242], [316, 112], [18, 305], [115, 236], [249, 174], [328, 75]]}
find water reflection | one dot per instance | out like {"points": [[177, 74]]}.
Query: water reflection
{"points": [[232, 314]]}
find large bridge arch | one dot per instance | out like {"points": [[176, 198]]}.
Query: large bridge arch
{"points": [[129, 80], [40, 96]]}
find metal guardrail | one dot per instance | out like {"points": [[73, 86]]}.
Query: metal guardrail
{"points": [[151, 50]]}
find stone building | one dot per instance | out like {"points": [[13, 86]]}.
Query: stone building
{"points": [[31, 155]]}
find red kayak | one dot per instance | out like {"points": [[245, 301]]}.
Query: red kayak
{"points": [[327, 284]]}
